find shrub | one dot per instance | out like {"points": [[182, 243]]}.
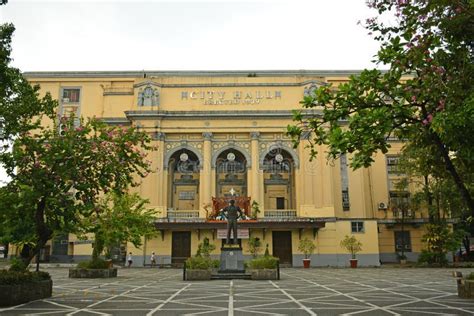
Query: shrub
{"points": [[432, 258], [352, 245], [21, 277], [470, 276], [93, 264], [17, 265], [201, 263], [307, 247], [254, 246], [205, 248], [265, 262]]}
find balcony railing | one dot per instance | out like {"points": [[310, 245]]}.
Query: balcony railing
{"points": [[280, 214], [182, 214]]}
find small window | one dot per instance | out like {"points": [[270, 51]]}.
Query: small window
{"points": [[71, 95], [357, 227], [393, 164]]}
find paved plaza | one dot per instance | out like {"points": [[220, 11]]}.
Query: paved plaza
{"points": [[146, 291]]}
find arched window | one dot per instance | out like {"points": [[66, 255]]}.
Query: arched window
{"points": [[231, 174], [183, 181], [279, 180]]}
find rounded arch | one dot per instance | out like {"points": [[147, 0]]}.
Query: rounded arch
{"points": [[170, 153], [290, 151], [237, 148]]}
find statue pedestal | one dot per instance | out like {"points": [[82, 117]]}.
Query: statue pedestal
{"points": [[232, 259]]}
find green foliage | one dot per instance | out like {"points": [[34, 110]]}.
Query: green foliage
{"points": [[21, 277], [306, 246], [470, 276], [429, 258], [265, 262], [254, 246], [17, 265], [352, 245], [267, 252], [425, 98], [439, 239], [96, 263], [255, 209], [118, 218], [201, 263], [205, 248]]}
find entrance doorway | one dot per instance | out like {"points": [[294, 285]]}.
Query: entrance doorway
{"points": [[180, 248], [282, 246]]}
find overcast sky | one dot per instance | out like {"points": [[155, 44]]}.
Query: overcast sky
{"points": [[188, 35]]}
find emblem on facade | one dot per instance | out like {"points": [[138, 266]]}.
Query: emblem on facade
{"points": [[310, 91], [148, 96]]}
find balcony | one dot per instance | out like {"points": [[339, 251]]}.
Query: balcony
{"points": [[280, 214], [182, 214]]}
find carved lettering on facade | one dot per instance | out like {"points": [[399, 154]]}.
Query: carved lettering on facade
{"points": [[212, 97]]}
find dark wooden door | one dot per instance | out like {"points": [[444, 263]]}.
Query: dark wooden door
{"points": [[181, 247], [282, 246]]}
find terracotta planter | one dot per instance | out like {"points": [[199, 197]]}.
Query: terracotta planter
{"points": [[306, 263], [353, 263]]}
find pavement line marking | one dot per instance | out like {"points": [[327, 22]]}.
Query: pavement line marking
{"points": [[309, 311], [413, 299], [374, 307], [168, 300], [231, 298]]}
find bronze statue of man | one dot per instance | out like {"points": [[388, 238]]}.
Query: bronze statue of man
{"points": [[232, 212]]}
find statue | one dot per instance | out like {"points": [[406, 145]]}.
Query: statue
{"points": [[232, 212]]}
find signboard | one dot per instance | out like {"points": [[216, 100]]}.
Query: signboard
{"points": [[241, 233], [217, 97]]}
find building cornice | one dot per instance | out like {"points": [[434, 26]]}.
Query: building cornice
{"points": [[187, 73], [221, 115]]}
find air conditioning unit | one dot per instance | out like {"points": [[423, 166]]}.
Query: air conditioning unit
{"points": [[382, 206], [65, 100]]}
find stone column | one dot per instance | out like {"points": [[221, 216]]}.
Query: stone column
{"points": [[255, 170], [205, 180], [161, 179]]}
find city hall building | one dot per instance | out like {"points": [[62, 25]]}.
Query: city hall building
{"points": [[221, 135]]}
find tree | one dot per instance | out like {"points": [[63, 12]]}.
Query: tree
{"points": [[58, 177], [117, 219], [254, 246], [426, 97]]}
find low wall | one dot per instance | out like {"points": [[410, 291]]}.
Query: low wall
{"points": [[198, 275], [263, 274], [92, 273], [21, 293]]}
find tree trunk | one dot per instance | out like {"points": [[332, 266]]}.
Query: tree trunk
{"points": [[43, 234], [466, 196]]}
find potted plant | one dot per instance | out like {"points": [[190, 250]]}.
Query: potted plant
{"points": [[402, 258], [307, 247], [353, 246]]}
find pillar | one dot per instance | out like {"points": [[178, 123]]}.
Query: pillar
{"points": [[255, 170], [205, 181]]}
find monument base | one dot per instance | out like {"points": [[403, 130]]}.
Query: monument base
{"points": [[232, 259]]}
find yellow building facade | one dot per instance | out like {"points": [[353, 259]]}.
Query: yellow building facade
{"points": [[221, 135]]}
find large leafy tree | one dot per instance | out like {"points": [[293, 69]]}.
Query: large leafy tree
{"points": [[58, 177], [119, 218], [426, 97]]}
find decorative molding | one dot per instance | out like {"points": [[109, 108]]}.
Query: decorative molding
{"points": [[242, 147], [207, 135], [172, 147], [266, 147], [220, 115], [254, 135], [159, 136]]}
